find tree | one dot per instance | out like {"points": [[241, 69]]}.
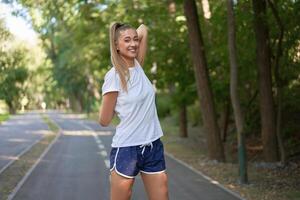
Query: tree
{"points": [[215, 147], [278, 81], [267, 113], [238, 115], [75, 37], [13, 75]]}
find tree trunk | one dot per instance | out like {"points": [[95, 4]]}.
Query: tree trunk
{"points": [[183, 121], [225, 121], [183, 132], [238, 115], [215, 146], [11, 108], [75, 103], [278, 82], [267, 113]]}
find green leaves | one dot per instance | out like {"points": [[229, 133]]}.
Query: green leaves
{"points": [[13, 75], [75, 35]]}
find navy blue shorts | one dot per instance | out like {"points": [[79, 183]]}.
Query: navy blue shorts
{"points": [[129, 161]]}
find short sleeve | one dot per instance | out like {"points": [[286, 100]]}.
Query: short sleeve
{"points": [[111, 82]]}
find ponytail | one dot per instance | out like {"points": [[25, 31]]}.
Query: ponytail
{"points": [[116, 59]]}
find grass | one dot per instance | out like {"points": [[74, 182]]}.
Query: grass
{"points": [[16, 171], [4, 117], [53, 127], [264, 183]]}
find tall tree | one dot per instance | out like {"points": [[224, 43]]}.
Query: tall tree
{"points": [[278, 80], [267, 113], [179, 86], [215, 146], [238, 115]]}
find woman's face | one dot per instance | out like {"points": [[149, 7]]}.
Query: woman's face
{"points": [[128, 44]]}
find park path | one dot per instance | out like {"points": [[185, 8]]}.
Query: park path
{"points": [[76, 168], [18, 134]]}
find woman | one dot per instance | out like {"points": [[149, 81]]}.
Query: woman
{"points": [[136, 146]]}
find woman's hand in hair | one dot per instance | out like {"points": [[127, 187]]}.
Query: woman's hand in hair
{"points": [[142, 32]]}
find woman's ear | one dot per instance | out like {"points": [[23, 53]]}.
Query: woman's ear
{"points": [[116, 45]]}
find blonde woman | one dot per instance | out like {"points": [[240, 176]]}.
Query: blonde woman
{"points": [[136, 145]]}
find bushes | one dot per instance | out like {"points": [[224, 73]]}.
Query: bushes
{"points": [[194, 114], [164, 105]]}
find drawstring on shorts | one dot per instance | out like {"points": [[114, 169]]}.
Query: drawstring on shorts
{"points": [[145, 145]]}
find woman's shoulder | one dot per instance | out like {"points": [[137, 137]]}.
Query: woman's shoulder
{"points": [[137, 64], [111, 72]]}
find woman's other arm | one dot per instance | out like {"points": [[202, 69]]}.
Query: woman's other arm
{"points": [[106, 111], [142, 34]]}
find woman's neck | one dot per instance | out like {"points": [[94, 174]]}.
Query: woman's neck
{"points": [[129, 62]]}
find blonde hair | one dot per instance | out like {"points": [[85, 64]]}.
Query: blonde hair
{"points": [[116, 59]]}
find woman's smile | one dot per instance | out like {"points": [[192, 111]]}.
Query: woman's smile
{"points": [[128, 44]]}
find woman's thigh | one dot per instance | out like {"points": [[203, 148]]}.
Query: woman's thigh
{"points": [[156, 185], [120, 187]]}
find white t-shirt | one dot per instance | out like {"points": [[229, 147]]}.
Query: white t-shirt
{"points": [[139, 123]]}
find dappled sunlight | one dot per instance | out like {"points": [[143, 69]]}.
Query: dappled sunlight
{"points": [[4, 157], [18, 140], [24, 122], [78, 133], [39, 132], [73, 116], [231, 186], [215, 182], [103, 133], [22, 119], [206, 10], [86, 133]]}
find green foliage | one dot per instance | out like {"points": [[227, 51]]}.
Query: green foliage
{"points": [[12, 69], [4, 33], [75, 37], [163, 105], [11, 85], [4, 117], [194, 114]]}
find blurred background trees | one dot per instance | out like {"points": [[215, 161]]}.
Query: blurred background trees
{"points": [[66, 69], [13, 69]]}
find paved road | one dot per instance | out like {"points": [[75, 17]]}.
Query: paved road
{"points": [[76, 168], [19, 133]]}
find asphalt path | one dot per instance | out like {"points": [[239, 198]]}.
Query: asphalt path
{"points": [[18, 134], [76, 168]]}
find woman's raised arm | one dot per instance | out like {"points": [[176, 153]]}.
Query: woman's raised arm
{"points": [[142, 34]]}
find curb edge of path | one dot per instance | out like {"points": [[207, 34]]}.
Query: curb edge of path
{"points": [[19, 155], [23, 180], [214, 182]]}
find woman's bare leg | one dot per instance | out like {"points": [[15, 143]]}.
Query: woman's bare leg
{"points": [[156, 185], [120, 187]]}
